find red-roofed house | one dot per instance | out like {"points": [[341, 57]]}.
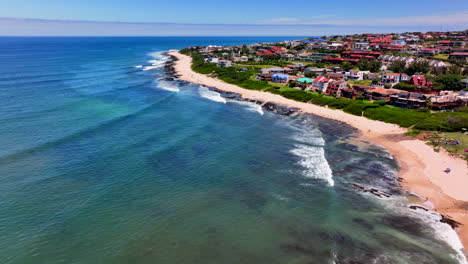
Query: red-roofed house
{"points": [[420, 81], [320, 83]]}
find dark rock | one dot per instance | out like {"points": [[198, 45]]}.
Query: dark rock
{"points": [[454, 224]]}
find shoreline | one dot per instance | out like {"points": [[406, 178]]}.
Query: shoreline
{"points": [[421, 168]]}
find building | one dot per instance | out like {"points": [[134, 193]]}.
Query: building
{"points": [[334, 87], [408, 100], [320, 84], [429, 51], [394, 77], [380, 93], [339, 60], [356, 75], [280, 78], [420, 81], [224, 63]]}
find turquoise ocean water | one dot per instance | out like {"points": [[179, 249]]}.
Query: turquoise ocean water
{"points": [[101, 161]]}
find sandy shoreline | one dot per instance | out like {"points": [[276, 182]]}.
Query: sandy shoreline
{"points": [[421, 167]]}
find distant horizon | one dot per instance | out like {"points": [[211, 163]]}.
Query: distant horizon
{"points": [[38, 27]]}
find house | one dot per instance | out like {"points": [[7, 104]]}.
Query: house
{"points": [[317, 71], [280, 78], [361, 88], [448, 100], [380, 93], [212, 60], [429, 51], [339, 60], [394, 77], [420, 81], [320, 84], [336, 76], [348, 93], [361, 45], [408, 100], [224, 63], [334, 87], [372, 76], [459, 55], [356, 75]]}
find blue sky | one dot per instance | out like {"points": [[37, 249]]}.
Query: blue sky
{"points": [[240, 17]]}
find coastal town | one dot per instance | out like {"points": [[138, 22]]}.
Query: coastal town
{"points": [[409, 70]]}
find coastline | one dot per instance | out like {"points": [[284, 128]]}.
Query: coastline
{"points": [[421, 167]]}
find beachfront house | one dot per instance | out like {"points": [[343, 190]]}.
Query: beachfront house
{"points": [[379, 93], [320, 83], [280, 78], [334, 87], [408, 100]]}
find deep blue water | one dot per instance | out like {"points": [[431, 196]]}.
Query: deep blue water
{"points": [[101, 162]]}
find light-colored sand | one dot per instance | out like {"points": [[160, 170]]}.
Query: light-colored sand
{"points": [[421, 167]]}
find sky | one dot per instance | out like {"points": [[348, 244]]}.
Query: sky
{"points": [[217, 17]]}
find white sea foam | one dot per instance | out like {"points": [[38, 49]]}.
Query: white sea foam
{"points": [[210, 95], [158, 61], [442, 231], [250, 106], [168, 86], [138, 66], [312, 158]]}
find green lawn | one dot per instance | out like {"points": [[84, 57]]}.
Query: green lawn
{"points": [[362, 82], [441, 56]]}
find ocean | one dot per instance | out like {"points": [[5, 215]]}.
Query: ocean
{"points": [[103, 160]]}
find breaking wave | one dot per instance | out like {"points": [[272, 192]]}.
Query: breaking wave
{"points": [[158, 61], [211, 95], [250, 106], [168, 86], [442, 231], [312, 156]]}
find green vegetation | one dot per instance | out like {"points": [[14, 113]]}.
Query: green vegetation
{"points": [[398, 66], [448, 82], [361, 82], [416, 119], [372, 65], [453, 142]]}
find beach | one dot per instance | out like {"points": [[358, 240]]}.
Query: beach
{"points": [[421, 168]]}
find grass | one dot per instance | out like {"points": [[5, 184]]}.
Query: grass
{"points": [[361, 82], [441, 56], [447, 141]]}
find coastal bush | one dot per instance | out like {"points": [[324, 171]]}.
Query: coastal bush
{"points": [[399, 116], [358, 107], [299, 95]]}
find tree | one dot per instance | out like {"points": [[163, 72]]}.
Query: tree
{"points": [[310, 74], [372, 65], [420, 67], [346, 65], [454, 69], [449, 82], [398, 66]]}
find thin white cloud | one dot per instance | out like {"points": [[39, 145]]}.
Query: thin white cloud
{"points": [[280, 20], [459, 19]]}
